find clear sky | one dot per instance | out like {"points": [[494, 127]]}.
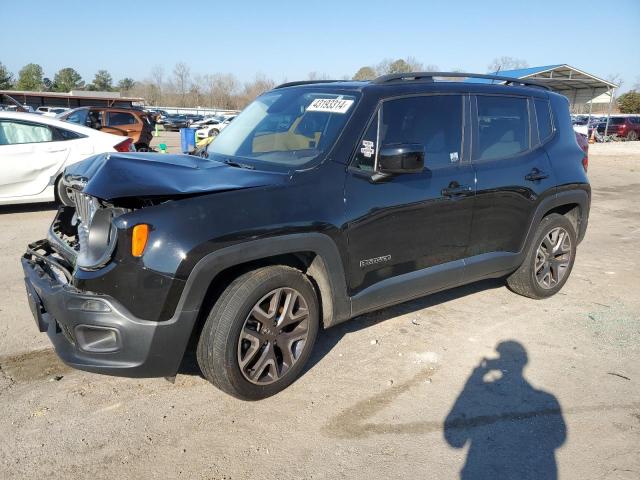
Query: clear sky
{"points": [[289, 39]]}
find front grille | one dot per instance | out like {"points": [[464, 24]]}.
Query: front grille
{"points": [[86, 206]]}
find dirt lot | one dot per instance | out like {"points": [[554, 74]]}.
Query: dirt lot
{"points": [[170, 139], [375, 399]]}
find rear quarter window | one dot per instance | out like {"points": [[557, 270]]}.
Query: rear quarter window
{"points": [[543, 116], [61, 134]]}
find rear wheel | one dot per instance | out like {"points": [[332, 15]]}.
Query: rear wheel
{"points": [[632, 136], [260, 333], [549, 259]]}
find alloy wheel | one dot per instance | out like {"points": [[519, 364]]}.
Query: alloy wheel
{"points": [[273, 336], [553, 258]]}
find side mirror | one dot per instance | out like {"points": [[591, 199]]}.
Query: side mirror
{"points": [[401, 158]]}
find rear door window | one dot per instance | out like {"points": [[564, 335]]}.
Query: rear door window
{"points": [[14, 133], [543, 116], [503, 127], [120, 118]]}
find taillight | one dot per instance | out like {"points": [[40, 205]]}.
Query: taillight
{"points": [[125, 146], [582, 142]]}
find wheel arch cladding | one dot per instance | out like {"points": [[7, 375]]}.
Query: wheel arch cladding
{"points": [[313, 253], [573, 202], [573, 212]]}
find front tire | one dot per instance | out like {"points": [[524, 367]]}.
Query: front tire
{"points": [[61, 195], [260, 333], [632, 136], [549, 259]]}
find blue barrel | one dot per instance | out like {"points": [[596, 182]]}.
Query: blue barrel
{"points": [[187, 139]]}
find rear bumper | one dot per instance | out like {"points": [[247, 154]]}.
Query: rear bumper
{"points": [[94, 332]]}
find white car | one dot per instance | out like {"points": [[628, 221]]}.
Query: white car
{"points": [[34, 150], [207, 121], [51, 111], [215, 129]]}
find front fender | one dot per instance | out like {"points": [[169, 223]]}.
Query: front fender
{"points": [[331, 267]]}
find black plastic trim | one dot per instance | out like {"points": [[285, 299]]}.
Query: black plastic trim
{"points": [[206, 270], [146, 348]]}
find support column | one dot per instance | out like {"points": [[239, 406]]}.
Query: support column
{"points": [[606, 127]]}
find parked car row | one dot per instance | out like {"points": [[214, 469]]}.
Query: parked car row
{"points": [[212, 126], [173, 123], [47, 111], [622, 127]]}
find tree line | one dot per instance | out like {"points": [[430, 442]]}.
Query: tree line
{"points": [[31, 78], [180, 87]]}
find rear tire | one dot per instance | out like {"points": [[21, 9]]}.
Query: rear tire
{"points": [[260, 333], [548, 261], [632, 136]]}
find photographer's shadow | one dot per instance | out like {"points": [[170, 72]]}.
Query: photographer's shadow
{"points": [[512, 429]]}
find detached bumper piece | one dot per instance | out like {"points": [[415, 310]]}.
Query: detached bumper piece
{"points": [[94, 332]]}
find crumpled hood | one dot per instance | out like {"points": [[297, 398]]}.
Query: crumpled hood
{"points": [[112, 176]]}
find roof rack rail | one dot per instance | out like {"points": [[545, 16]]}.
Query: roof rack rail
{"points": [[429, 77], [305, 82]]}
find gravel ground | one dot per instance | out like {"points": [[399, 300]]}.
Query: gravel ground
{"points": [[397, 393], [170, 139]]}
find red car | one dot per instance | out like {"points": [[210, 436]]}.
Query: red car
{"points": [[627, 127]]}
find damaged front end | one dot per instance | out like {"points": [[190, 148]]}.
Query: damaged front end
{"points": [[85, 232], [103, 311], [108, 304]]}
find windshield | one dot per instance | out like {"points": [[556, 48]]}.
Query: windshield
{"points": [[287, 127], [77, 116]]}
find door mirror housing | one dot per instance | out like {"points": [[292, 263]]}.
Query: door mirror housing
{"points": [[401, 158]]}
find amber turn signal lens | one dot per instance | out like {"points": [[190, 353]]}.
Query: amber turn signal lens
{"points": [[139, 239]]}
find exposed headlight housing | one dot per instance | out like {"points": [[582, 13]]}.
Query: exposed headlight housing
{"points": [[97, 235]]}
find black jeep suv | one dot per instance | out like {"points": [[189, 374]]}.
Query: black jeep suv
{"points": [[320, 202]]}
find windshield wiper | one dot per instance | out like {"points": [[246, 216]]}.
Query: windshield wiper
{"points": [[232, 163]]}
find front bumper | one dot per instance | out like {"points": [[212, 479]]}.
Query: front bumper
{"points": [[94, 332]]}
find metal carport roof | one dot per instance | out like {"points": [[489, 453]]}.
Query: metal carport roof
{"points": [[578, 86]]}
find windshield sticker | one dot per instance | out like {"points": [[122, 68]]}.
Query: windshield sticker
{"points": [[368, 148], [453, 156], [330, 105]]}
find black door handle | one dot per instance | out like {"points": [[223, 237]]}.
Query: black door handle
{"points": [[454, 190], [536, 174]]}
